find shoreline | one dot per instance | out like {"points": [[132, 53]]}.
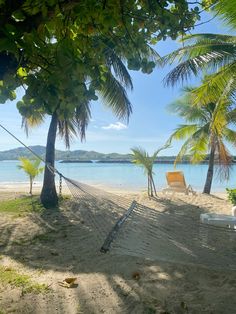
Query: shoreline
{"points": [[22, 186]]}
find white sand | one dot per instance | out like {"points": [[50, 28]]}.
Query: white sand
{"points": [[69, 247]]}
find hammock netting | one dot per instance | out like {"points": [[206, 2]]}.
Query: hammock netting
{"points": [[126, 227]]}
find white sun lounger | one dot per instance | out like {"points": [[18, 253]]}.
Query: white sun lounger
{"points": [[226, 221]]}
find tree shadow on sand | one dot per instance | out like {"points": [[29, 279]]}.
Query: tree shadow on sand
{"points": [[67, 241]]}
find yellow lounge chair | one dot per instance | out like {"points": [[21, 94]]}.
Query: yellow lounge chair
{"points": [[176, 183]]}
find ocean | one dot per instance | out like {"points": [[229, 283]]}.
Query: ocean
{"points": [[119, 176]]}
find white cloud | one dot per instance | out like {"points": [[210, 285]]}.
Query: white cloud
{"points": [[115, 126]]}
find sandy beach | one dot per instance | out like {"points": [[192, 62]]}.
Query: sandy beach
{"points": [[59, 244]]}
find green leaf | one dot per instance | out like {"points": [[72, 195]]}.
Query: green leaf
{"points": [[18, 16], [22, 72], [9, 45]]}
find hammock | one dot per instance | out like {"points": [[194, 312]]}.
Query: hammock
{"points": [[145, 232], [128, 228]]}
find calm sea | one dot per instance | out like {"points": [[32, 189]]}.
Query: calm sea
{"points": [[119, 176]]}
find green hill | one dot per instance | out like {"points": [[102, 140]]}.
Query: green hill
{"points": [[78, 155]]}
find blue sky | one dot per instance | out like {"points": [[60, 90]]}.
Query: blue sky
{"points": [[150, 124]]}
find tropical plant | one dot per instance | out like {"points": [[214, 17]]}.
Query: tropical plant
{"points": [[206, 52], [206, 133], [142, 158], [232, 196], [32, 168], [213, 54]]}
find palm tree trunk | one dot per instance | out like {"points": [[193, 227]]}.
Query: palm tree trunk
{"points": [[154, 188], [48, 195], [31, 185], [210, 171], [148, 186], [151, 189]]}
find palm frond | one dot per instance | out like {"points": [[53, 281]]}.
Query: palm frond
{"points": [[82, 117], [152, 55], [214, 86], [231, 115], [183, 151], [189, 132], [199, 145], [224, 160], [120, 70], [203, 54], [74, 124], [194, 38], [115, 97], [219, 118], [230, 136], [66, 130], [141, 158], [182, 132], [184, 107], [227, 11], [31, 120]]}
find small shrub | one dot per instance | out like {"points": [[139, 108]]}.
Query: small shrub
{"points": [[232, 196]]}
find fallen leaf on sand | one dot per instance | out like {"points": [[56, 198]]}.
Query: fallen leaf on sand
{"points": [[68, 282]]}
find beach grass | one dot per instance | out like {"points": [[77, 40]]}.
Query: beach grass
{"points": [[11, 277], [21, 206]]}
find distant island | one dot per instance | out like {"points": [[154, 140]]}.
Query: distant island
{"points": [[80, 156], [63, 156]]}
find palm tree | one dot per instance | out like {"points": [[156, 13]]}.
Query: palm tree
{"points": [[142, 158], [207, 131], [31, 168], [206, 52]]}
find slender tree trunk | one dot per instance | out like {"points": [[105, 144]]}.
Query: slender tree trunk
{"points": [[210, 171], [148, 186], [154, 188], [31, 185], [150, 180], [48, 195]]}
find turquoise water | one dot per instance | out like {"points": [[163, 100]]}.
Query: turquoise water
{"points": [[121, 176]]}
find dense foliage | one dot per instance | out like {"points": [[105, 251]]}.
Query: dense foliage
{"points": [[42, 41], [66, 54]]}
